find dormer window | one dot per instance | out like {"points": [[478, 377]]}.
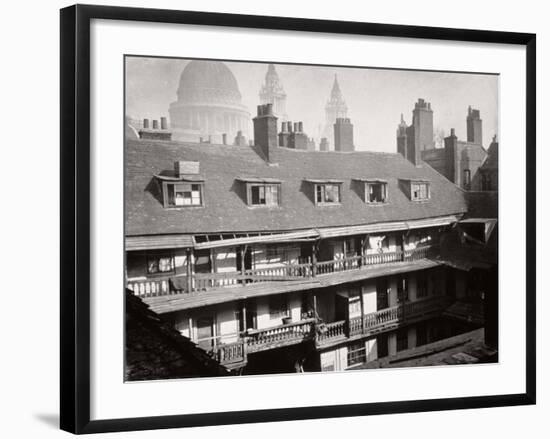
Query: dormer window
{"points": [[326, 192], [420, 191], [264, 195], [183, 194], [262, 192], [183, 187], [417, 190], [375, 190]]}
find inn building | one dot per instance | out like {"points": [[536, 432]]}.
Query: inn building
{"points": [[273, 258]]}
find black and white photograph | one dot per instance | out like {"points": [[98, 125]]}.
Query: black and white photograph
{"points": [[288, 218]]}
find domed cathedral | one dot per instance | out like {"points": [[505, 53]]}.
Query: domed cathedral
{"points": [[336, 108], [272, 92], [208, 104]]}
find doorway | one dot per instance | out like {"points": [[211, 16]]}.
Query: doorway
{"points": [[382, 301], [205, 332], [247, 259]]}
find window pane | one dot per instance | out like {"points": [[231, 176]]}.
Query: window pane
{"points": [[376, 193], [153, 266], [255, 194], [331, 193], [420, 191], [320, 196], [184, 194], [271, 195], [165, 264]]}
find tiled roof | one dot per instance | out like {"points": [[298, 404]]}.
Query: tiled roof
{"points": [[491, 162], [225, 208], [155, 350]]}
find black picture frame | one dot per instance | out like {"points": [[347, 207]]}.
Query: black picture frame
{"points": [[75, 217]]}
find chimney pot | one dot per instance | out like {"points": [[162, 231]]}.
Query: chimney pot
{"points": [[269, 109], [224, 139], [300, 127], [155, 124], [283, 127], [146, 124], [163, 124], [452, 131]]}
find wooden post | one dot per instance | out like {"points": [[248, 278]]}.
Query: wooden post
{"points": [[215, 332], [242, 249], [244, 316], [189, 270], [243, 253], [313, 259], [191, 332], [213, 267], [363, 245], [362, 309], [345, 249], [315, 306], [403, 237]]}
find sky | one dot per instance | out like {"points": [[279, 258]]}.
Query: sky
{"points": [[375, 97]]}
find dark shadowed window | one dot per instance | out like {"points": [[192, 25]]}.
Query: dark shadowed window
{"points": [[357, 353], [376, 192]]}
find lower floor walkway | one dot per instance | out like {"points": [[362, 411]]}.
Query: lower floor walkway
{"points": [[466, 348]]}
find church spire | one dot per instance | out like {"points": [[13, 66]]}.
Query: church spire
{"points": [[336, 93], [272, 92], [336, 108]]}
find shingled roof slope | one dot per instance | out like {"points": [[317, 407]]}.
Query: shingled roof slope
{"points": [[225, 208], [155, 350], [491, 162]]}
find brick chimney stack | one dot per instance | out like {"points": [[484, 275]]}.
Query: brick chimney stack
{"points": [[297, 139], [283, 135], [155, 133], [423, 123], [343, 135], [474, 127], [451, 156], [265, 131], [240, 140]]}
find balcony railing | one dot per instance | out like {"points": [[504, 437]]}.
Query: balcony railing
{"points": [[327, 333], [282, 335], [380, 320], [235, 353], [207, 281], [231, 353]]}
